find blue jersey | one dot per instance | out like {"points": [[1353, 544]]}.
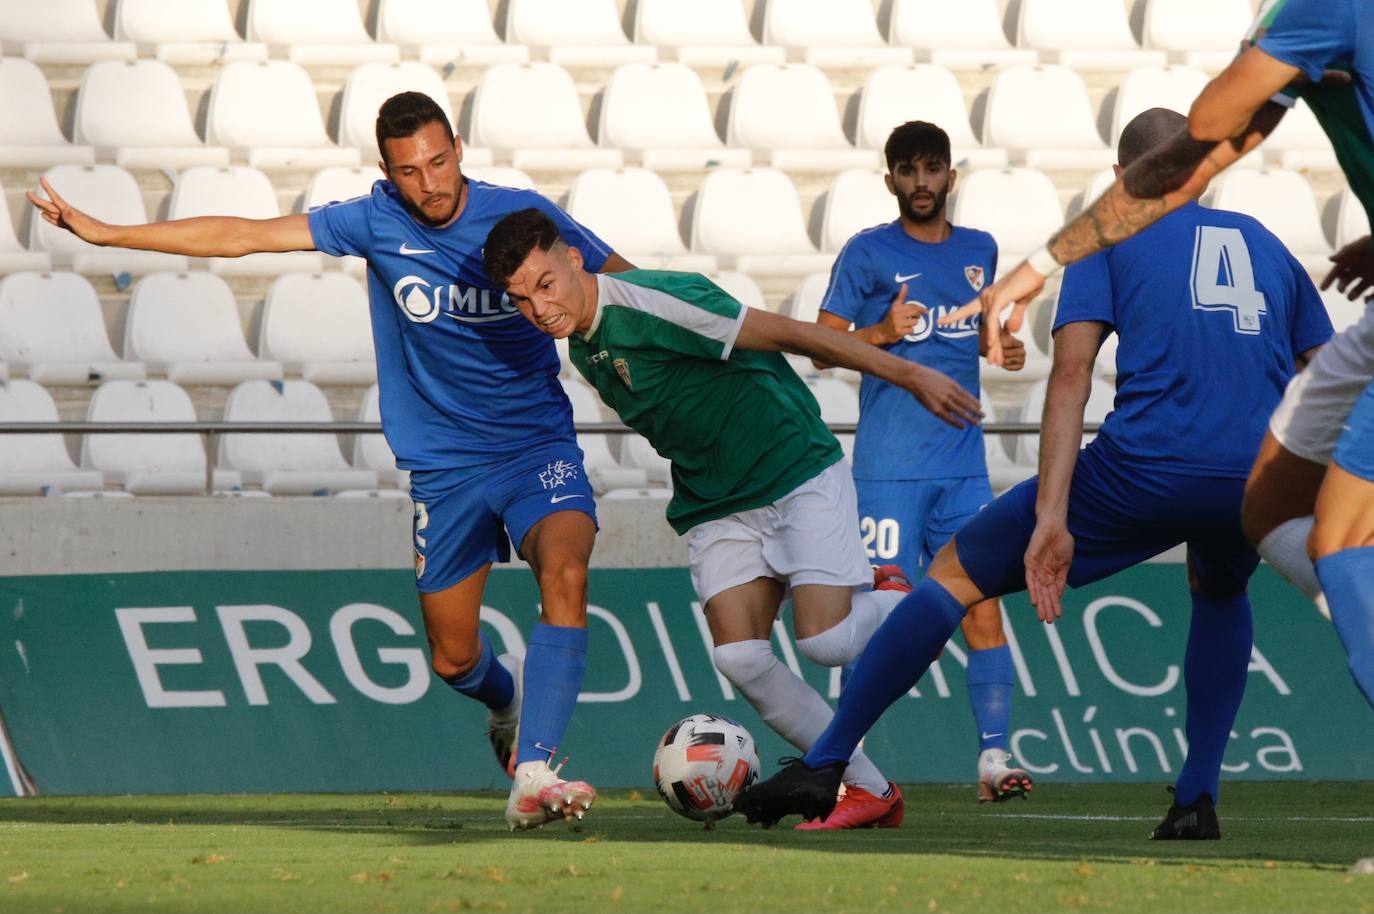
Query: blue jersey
{"points": [[1320, 35], [464, 379], [897, 437], [1211, 310]]}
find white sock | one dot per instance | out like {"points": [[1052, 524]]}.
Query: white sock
{"points": [[787, 704], [845, 641], [1286, 549]]}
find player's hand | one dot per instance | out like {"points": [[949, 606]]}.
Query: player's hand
{"points": [[1353, 273], [62, 214], [1048, 557], [944, 397], [901, 318], [1015, 291], [1013, 351]]}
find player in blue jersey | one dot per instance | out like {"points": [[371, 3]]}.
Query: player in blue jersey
{"points": [[1323, 51], [920, 479], [471, 406], [1205, 302]]}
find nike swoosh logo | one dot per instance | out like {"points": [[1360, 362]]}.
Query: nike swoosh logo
{"points": [[900, 278], [406, 249], [555, 499], [991, 735]]}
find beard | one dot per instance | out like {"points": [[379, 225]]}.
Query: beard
{"points": [[424, 218], [937, 210]]}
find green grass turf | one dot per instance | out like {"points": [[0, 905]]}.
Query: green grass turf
{"points": [[1287, 847]]}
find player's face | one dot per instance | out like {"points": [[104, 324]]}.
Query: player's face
{"points": [[424, 168], [921, 186], [545, 289]]}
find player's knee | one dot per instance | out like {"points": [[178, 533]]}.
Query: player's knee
{"points": [[454, 657], [832, 647], [742, 662], [563, 589], [1330, 536]]}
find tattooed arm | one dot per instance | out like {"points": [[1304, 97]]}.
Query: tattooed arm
{"points": [[1231, 117]]}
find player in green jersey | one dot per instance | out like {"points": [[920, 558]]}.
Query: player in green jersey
{"points": [[760, 486]]}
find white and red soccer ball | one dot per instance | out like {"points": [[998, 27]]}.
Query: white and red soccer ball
{"points": [[701, 765]]}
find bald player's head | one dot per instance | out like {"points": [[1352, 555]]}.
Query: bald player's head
{"points": [[1146, 131]]}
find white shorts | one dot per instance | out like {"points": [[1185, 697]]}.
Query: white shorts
{"points": [[1312, 413], [809, 536]]}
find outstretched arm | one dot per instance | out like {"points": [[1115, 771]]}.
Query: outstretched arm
{"points": [[944, 397], [1231, 117], [203, 236]]}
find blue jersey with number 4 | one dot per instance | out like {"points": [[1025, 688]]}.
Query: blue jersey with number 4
{"points": [[1211, 310], [898, 438], [464, 379]]}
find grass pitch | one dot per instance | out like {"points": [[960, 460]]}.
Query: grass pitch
{"points": [[1287, 847]]}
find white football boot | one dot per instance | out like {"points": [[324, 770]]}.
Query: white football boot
{"points": [[540, 796], [997, 781]]}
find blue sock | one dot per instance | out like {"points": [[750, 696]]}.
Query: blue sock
{"points": [[1214, 672], [1348, 579], [488, 682], [555, 662], [897, 656], [990, 679]]}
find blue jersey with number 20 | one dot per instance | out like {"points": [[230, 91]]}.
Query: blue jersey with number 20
{"points": [[1211, 310]]}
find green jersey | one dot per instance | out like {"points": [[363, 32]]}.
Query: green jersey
{"points": [[740, 428]]}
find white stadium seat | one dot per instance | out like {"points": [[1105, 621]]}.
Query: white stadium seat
{"points": [[1101, 180], [371, 452], [1300, 143], [1086, 34], [703, 33], [752, 220], [857, 199], [1000, 453], [14, 257], [37, 464], [1019, 206], [440, 32], [604, 472], [804, 302], [186, 326], [58, 32], [586, 33], [742, 288], [335, 184], [658, 114], [839, 404], [184, 32], [637, 453], [51, 330], [1100, 402], [632, 211], [1173, 87], [1043, 117], [504, 175], [149, 464], [135, 112], [237, 191], [318, 325], [266, 112], [786, 115], [1203, 34], [315, 31], [1350, 221], [894, 95], [972, 40], [110, 194], [29, 135], [829, 33], [373, 83], [530, 115], [1282, 201], [1343, 312], [287, 464]]}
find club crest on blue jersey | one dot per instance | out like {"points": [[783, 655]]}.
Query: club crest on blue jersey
{"points": [[557, 474], [974, 275], [422, 302]]}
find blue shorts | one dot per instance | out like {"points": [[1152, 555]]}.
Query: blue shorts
{"points": [[1119, 515], [907, 521], [1355, 450], [462, 516]]}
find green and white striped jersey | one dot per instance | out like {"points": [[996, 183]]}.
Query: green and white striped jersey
{"points": [[740, 428]]}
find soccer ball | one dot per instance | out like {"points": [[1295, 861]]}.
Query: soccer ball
{"points": [[701, 765]]}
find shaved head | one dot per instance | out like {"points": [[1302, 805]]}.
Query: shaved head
{"points": [[1146, 131]]}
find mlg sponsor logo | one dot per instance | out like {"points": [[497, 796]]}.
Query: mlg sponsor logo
{"points": [[422, 302]]}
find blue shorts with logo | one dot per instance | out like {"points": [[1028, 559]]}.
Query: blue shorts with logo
{"points": [[462, 516], [1120, 515], [1355, 450], [907, 521]]}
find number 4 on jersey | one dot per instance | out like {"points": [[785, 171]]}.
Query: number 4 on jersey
{"points": [[1224, 278]]}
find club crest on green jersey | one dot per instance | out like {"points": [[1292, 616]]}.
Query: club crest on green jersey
{"points": [[622, 368]]}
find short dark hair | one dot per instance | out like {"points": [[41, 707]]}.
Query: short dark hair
{"points": [[403, 115], [1147, 130], [513, 238], [916, 140]]}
